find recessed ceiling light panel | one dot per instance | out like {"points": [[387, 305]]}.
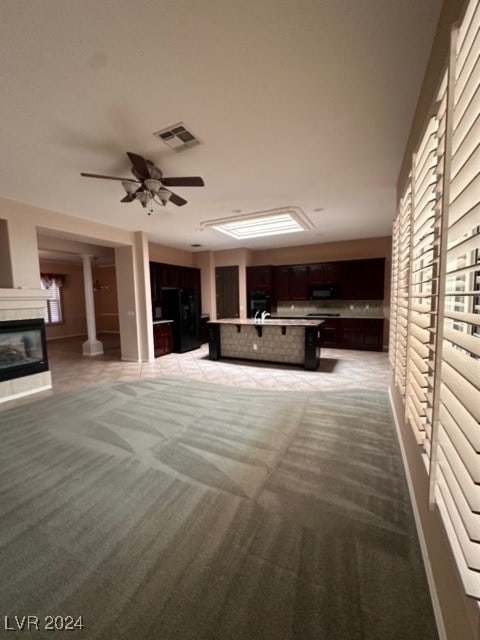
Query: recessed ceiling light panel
{"points": [[262, 223]]}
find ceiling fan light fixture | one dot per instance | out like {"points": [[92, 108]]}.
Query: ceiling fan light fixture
{"points": [[164, 195], [150, 185], [130, 186], [144, 197], [153, 185]]}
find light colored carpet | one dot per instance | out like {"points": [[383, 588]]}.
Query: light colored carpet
{"points": [[178, 510]]}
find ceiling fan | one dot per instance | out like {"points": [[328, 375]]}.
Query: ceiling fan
{"points": [[150, 185]]}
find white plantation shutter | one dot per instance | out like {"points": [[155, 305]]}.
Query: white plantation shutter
{"points": [[439, 340], [53, 310], [436, 295], [457, 471], [422, 282], [394, 292], [402, 275]]}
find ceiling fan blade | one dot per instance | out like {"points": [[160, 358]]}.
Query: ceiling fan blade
{"points": [[177, 200], [191, 181], [130, 197], [140, 165], [96, 175]]}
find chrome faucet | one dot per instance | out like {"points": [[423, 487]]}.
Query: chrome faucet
{"points": [[265, 314], [256, 315]]}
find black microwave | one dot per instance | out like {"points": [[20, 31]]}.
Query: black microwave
{"points": [[330, 292]]}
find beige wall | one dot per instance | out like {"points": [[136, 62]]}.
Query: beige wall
{"points": [[460, 614], [127, 317], [452, 11], [106, 304], [74, 322], [205, 261], [169, 255], [345, 250]]}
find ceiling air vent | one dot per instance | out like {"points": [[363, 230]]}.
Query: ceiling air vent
{"points": [[177, 137]]}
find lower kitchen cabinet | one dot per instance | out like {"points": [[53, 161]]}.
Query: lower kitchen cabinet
{"points": [[162, 338], [352, 333], [330, 333]]}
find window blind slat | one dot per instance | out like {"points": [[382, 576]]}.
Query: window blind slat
{"points": [[469, 521], [463, 340], [470, 549], [470, 489], [470, 579]]}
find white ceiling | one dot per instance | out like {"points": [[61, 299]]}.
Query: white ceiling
{"points": [[304, 103]]}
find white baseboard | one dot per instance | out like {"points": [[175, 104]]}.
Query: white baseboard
{"points": [[437, 611], [22, 394]]}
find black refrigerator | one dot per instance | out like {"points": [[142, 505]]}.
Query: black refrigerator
{"points": [[181, 306]]}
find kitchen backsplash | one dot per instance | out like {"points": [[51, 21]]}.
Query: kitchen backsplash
{"points": [[354, 308]]}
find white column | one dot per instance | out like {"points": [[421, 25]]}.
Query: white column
{"points": [[92, 347]]}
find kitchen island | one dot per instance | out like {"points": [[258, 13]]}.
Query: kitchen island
{"points": [[292, 341]]}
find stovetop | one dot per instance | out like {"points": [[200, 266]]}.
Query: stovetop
{"points": [[321, 315]]}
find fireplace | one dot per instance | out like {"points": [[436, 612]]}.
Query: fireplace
{"points": [[23, 349]]}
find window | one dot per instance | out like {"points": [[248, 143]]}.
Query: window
{"points": [[54, 284]]}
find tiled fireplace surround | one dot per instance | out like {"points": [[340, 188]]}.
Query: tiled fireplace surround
{"points": [[23, 304]]}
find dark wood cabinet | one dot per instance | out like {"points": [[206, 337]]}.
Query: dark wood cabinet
{"points": [[324, 273], [352, 333], [330, 333], [356, 279], [299, 282], [290, 282], [351, 336], [363, 279], [259, 278], [373, 333], [281, 283], [162, 338], [154, 279], [170, 275]]}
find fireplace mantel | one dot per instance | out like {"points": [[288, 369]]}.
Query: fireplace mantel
{"points": [[11, 299]]}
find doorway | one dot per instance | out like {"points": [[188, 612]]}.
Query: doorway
{"points": [[226, 291]]}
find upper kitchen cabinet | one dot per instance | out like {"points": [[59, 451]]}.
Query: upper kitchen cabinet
{"points": [[154, 279], [299, 282], [259, 278], [290, 282], [188, 278], [324, 273], [170, 275], [363, 279]]}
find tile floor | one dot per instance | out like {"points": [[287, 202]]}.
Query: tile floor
{"points": [[339, 369]]}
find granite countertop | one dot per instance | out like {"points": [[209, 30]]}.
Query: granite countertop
{"points": [[330, 316], [272, 322]]}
